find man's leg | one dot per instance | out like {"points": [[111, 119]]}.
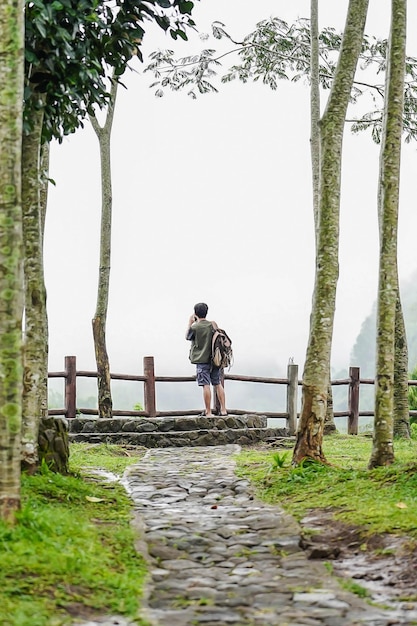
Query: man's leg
{"points": [[203, 380], [207, 399], [222, 398], [216, 376]]}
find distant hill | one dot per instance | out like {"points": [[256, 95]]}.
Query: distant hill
{"points": [[363, 353]]}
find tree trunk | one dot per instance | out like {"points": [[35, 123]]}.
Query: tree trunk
{"points": [[105, 404], [401, 401], [388, 198], [11, 254], [315, 113], [317, 364], [44, 184], [330, 426], [35, 357]]}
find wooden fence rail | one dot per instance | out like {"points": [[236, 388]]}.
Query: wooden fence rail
{"points": [[149, 379]]}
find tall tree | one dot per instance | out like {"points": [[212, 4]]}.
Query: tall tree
{"points": [[103, 133], [63, 82], [388, 200], [11, 254], [315, 384], [35, 354], [329, 425]]}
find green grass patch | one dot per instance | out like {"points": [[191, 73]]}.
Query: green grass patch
{"points": [[381, 500], [112, 458], [354, 587], [72, 552]]}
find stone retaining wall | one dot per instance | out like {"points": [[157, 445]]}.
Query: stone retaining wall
{"points": [[174, 431], [87, 424]]}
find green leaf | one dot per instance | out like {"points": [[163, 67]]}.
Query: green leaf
{"points": [[41, 28], [182, 34], [30, 56], [186, 7], [162, 21]]}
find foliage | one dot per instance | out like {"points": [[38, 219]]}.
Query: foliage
{"points": [[412, 392], [71, 553], [178, 74], [277, 51], [67, 80], [379, 500], [124, 398], [55, 399]]}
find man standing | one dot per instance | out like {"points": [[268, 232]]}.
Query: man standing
{"points": [[200, 332]]}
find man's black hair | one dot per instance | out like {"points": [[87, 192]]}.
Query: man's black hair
{"points": [[201, 309]]}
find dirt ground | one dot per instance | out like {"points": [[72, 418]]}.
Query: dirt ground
{"points": [[385, 565]]}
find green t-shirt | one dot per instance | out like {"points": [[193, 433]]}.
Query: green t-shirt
{"points": [[200, 351]]}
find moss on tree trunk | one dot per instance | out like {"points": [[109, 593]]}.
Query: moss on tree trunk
{"points": [[35, 380], [401, 402], [11, 254]]}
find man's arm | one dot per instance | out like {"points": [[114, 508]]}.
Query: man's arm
{"points": [[190, 333]]}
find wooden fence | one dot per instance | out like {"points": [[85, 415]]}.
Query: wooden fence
{"points": [[149, 379]]}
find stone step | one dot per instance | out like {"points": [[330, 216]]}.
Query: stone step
{"points": [[177, 438], [92, 424]]}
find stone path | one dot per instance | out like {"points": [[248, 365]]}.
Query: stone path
{"points": [[220, 557]]}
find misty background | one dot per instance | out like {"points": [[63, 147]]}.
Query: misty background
{"points": [[212, 202]]}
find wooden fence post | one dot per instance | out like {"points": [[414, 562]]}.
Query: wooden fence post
{"points": [[70, 386], [149, 386], [292, 390], [353, 407]]}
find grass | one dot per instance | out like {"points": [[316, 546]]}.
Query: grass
{"points": [[111, 458], [72, 551], [380, 500]]}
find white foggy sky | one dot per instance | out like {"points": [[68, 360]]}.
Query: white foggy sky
{"points": [[236, 163]]}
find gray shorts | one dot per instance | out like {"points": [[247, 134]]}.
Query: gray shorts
{"points": [[207, 373]]}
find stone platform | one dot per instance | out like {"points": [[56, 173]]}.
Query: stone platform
{"points": [[163, 432]]}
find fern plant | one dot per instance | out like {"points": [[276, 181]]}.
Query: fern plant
{"points": [[278, 461]]}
